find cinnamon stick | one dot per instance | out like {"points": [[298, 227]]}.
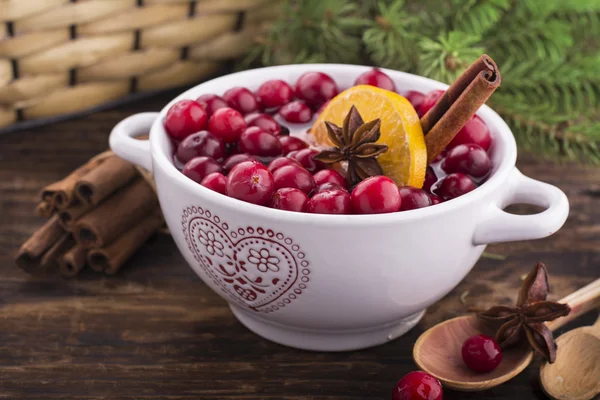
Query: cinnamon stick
{"points": [[105, 179], [459, 103], [61, 193], [73, 261], [125, 208], [44, 209], [50, 259], [30, 254], [112, 257], [69, 216]]}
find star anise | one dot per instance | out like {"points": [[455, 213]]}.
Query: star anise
{"points": [[355, 142], [526, 320]]}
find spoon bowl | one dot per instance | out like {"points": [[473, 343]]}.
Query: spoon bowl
{"points": [[438, 352]]}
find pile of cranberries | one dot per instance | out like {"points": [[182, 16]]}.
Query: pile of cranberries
{"points": [[236, 144]]}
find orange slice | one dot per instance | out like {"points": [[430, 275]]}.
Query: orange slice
{"points": [[406, 159]]}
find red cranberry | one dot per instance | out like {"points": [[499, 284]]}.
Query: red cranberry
{"points": [[481, 353], [435, 199], [215, 181], [235, 159], [211, 103], [418, 385], [184, 118], [328, 186], [413, 198], [292, 154], [282, 162], [375, 195], [330, 202], [241, 99], [275, 93], [293, 176], [329, 176], [201, 143], [475, 131], [292, 143], [289, 199], [469, 159], [227, 124], [259, 143], [320, 110], [305, 157], [439, 157], [415, 98], [375, 77], [430, 179], [316, 88], [455, 185], [197, 168], [429, 101], [252, 182], [296, 112], [264, 122]]}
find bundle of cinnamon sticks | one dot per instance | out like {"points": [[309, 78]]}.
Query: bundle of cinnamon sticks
{"points": [[98, 215]]}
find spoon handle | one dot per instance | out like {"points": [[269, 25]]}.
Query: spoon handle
{"points": [[581, 301]]}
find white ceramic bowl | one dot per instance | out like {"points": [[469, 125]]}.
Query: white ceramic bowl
{"points": [[335, 282]]}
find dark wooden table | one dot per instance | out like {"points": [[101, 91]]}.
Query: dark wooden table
{"points": [[156, 331]]}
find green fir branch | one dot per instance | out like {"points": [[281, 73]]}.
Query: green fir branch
{"points": [[548, 52]]}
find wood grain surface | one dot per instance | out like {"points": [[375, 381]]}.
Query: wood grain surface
{"points": [[155, 331]]}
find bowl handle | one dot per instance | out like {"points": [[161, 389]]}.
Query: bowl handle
{"points": [[500, 226], [123, 144]]}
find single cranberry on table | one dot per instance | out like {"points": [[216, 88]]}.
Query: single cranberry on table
{"points": [[242, 99], [475, 131], [275, 93], [264, 122], [330, 202], [415, 98], [184, 118], [430, 179], [282, 162], [469, 159], [251, 182], [413, 198], [293, 176], [375, 77], [216, 182], [197, 168], [292, 143], [481, 353], [329, 176], [429, 101], [454, 185], [418, 385], [201, 143], [211, 103], [259, 143], [376, 195], [236, 159], [289, 199], [323, 187], [227, 124], [306, 158], [315, 88], [296, 112]]}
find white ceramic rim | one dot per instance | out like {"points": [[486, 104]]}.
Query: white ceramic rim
{"points": [[159, 140]]}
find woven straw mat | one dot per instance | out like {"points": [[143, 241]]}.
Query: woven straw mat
{"points": [[61, 57]]}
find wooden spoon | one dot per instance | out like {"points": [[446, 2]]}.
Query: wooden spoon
{"points": [[576, 373], [438, 350]]}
